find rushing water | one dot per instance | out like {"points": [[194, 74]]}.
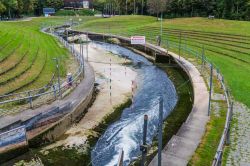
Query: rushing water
{"points": [[152, 83]]}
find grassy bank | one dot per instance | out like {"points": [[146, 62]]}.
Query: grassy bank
{"points": [[26, 56], [206, 150]]}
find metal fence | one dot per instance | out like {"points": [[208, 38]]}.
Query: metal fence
{"points": [[51, 91]]}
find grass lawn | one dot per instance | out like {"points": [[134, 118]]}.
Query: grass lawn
{"points": [[26, 56], [26, 53]]}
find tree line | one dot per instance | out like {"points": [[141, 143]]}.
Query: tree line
{"points": [[226, 9], [17, 8]]}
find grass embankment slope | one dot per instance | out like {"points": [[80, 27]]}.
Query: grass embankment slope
{"points": [[226, 42], [26, 56]]}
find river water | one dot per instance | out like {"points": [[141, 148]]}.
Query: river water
{"points": [[126, 133]]}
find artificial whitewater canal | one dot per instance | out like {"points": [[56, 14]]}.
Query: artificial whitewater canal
{"points": [[126, 133]]}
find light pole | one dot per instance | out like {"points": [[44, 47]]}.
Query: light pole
{"points": [[58, 76], [161, 24]]}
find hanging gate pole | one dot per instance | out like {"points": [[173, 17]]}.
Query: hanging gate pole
{"points": [[143, 147], [160, 130]]}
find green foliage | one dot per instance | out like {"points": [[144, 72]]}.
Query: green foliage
{"points": [[15, 8], [57, 4], [229, 9], [2, 7], [83, 12]]}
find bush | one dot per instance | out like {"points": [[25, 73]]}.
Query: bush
{"points": [[83, 12]]}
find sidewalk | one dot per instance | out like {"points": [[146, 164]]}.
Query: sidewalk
{"points": [[182, 146]]}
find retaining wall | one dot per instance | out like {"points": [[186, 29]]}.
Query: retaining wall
{"points": [[57, 129]]}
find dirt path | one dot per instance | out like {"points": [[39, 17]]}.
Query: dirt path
{"points": [[104, 103]]}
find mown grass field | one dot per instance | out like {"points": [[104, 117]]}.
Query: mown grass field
{"points": [[226, 43], [26, 55]]}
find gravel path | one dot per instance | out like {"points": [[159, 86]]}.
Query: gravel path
{"points": [[239, 152]]}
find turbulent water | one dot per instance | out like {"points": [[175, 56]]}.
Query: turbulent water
{"points": [[152, 83]]}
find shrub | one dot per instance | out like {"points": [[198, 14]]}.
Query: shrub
{"points": [[83, 12]]}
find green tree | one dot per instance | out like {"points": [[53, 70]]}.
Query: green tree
{"points": [[57, 4], [20, 7], [2, 8], [157, 6], [11, 5]]}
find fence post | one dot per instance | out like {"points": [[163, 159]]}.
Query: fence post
{"points": [[202, 56], [120, 160], [185, 38], [228, 135], [160, 130], [167, 44], [82, 61], [222, 82], [87, 49], [180, 45], [219, 158], [30, 99], [169, 58], [143, 147], [210, 89], [54, 90], [218, 72], [231, 110], [58, 76]]}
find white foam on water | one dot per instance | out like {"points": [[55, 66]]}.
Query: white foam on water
{"points": [[126, 141]]}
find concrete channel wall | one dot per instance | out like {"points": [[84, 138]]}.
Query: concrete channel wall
{"points": [[57, 129]]}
